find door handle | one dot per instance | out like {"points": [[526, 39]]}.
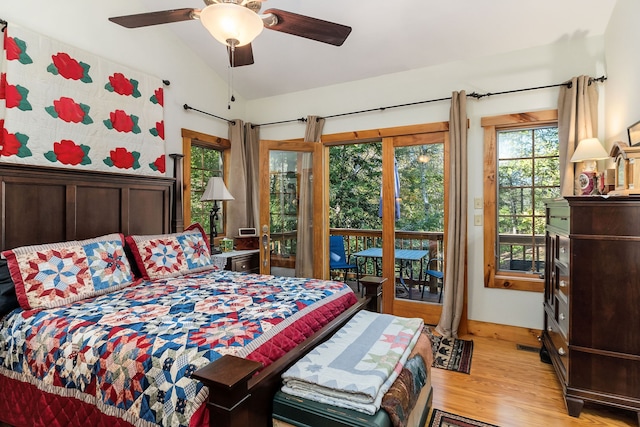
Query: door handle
{"points": [[265, 245]]}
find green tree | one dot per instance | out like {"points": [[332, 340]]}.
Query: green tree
{"points": [[355, 175]]}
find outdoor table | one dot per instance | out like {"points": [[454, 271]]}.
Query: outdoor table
{"points": [[404, 257]]}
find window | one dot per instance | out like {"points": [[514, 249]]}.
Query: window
{"points": [[522, 169], [205, 156]]}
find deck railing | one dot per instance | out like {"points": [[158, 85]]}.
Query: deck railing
{"points": [[520, 252], [358, 240], [523, 253]]}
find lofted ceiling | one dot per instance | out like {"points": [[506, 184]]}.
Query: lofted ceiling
{"points": [[387, 37]]}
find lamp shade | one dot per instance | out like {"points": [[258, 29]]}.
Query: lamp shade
{"points": [[229, 22], [216, 190], [589, 149]]}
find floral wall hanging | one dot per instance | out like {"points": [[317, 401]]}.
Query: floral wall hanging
{"points": [[64, 107]]}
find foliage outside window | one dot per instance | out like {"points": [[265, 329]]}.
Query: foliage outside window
{"points": [[206, 162], [355, 175], [205, 156], [522, 166], [284, 198]]}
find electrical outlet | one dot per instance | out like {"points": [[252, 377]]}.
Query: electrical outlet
{"points": [[477, 203], [477, 220]]}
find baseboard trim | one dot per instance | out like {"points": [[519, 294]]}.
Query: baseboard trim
{"points": [[516, 334]]}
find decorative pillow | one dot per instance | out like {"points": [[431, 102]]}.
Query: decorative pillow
{"points": [[8, 299], [170, 255], [57, 274]]}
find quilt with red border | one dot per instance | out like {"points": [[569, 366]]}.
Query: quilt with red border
{"points": [[131, 353]]}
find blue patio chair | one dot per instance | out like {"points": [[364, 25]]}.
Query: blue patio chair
{"points": [[437, 273], [338, 258]]}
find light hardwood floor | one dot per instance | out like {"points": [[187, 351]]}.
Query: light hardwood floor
{"points": [[513, 388]]}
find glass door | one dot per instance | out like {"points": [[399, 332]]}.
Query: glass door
{"points": [[290, 213], [414, 223]]}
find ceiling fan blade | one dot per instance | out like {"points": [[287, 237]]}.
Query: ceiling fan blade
{"points": [[155, 18], [243, 55], [308, 27]]}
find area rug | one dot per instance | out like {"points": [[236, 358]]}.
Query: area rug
{"points": [[451, 354], [446, 419]]}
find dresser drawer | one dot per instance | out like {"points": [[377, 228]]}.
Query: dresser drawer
{"points": [[564, 282], [560, 347], [562, 308], [558, 217], [246, 263], [563, 250]]}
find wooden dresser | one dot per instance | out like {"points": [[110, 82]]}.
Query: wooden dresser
{"points": [[592, 300]]}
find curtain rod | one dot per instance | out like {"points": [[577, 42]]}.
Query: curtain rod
{"points": [[188, 107], [470, 95]]}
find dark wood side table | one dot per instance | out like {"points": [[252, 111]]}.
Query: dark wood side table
{"points": [[373, 290], [247, 261]]}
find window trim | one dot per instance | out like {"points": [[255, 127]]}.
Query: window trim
{"points": [[491, 124], [189, 138]]}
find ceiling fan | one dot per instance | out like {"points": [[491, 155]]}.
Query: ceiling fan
{"points": [[236, 23]]}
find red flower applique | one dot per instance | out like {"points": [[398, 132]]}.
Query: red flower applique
{"points": [[69, 68], [158, 97], [10, 144], [69, 153], [122, 122], [16, 96], [158, 130], [16, 50], [123, 159], [159, 164], [118, 83], [13, 144], [68, 110]]}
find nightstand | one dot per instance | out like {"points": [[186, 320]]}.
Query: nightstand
{"points": [[246, 261]]}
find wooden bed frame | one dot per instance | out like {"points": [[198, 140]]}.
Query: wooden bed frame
{"points": [[42, 205]]}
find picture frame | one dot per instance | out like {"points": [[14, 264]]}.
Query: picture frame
{"points": [[634, 134]]}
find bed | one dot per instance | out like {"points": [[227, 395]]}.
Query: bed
{"points": [[223, 385]]}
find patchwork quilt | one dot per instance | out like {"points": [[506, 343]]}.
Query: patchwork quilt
{"points": [[131, 352], [356, 367]]}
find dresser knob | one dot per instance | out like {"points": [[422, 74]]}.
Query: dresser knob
{"points": [[563, 283], [549, 328], [562, 250], [561, 316], [561, 351]]}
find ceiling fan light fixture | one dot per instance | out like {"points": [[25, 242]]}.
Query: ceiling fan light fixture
{"points": [[229, 22]]}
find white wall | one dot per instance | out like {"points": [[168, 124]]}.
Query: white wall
{"points": [[528, 68], [622, 106], [153, 50]]}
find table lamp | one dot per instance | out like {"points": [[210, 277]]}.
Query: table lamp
{"points": [[216, 191], [588, 151]]}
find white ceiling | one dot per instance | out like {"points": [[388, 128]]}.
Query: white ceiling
{"points": [[387, 37]]}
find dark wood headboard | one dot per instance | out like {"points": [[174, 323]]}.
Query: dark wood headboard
{"points": [[44, 205]]}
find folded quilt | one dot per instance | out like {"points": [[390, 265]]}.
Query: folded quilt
{"points": [[355, 367]]}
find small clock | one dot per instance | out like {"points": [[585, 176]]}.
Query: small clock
{"points": [[587, 182], [244, 232]]}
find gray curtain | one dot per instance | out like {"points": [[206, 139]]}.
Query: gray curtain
{"points": [[236, 213], [305, 246], [252, 154], [456, 244], [577, 120]]}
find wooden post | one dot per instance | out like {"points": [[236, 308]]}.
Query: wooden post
{"points": [[177, 215], [373, 290], [227, 379]]}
